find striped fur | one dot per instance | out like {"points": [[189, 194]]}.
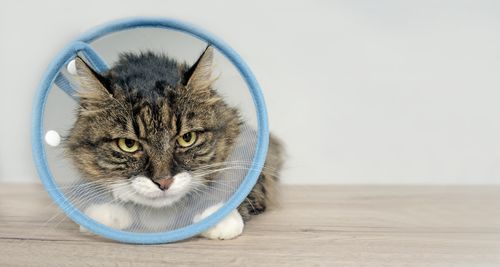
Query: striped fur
{"points": [[154, 99]]}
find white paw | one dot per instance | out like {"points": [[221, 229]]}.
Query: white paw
{"points": [[229, 228], [112, 215]]}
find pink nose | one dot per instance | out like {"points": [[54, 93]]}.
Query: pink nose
{"points": [[165, 183]]}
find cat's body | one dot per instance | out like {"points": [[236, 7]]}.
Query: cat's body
{"points": [[154, 130]]}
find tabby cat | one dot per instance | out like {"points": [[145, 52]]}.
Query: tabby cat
{"points": [[150, 122]]}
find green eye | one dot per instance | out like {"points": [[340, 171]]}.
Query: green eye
{"points": [[187, 139], [128, 145]]}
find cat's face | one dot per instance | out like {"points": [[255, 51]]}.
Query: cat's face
{"points": [[150, 128]]}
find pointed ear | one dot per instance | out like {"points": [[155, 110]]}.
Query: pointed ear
{"points": [[199, 76], [93, 87]]}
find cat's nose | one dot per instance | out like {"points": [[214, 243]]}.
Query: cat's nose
{"points": [[164, 183]]}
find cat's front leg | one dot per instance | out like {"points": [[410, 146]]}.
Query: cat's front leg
{"points": [[229, 228], [112, 215]]}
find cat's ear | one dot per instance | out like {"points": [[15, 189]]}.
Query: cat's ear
{"points": [[93, 87], [199, 76]]}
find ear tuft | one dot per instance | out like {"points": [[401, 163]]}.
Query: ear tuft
{"points": [[199, 76], [92, 87]]}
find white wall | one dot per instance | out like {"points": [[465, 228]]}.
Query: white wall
{"points": [[361, 92]]}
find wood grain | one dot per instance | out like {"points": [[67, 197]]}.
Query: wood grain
{"points": [[314, 226]]}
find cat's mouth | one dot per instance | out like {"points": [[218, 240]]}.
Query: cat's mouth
{"points": [[142, 190]]}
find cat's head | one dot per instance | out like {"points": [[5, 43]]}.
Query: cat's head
{"points": [[150, 128]]}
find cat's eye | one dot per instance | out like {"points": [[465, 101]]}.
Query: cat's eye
{"points": [[187, 140], [128, 145]]}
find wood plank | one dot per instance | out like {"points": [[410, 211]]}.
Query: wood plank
{"points": [[314, 226]]}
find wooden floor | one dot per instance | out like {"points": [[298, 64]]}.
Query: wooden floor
{"points": [[315, 226]]}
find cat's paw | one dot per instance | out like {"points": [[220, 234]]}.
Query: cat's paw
{"points": [[112, 215], [229, 228]]}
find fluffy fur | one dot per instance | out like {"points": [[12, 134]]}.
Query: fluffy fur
{"points": [[153, 100]]}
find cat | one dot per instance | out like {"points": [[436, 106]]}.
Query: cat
{"points": [[149, 124]]}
